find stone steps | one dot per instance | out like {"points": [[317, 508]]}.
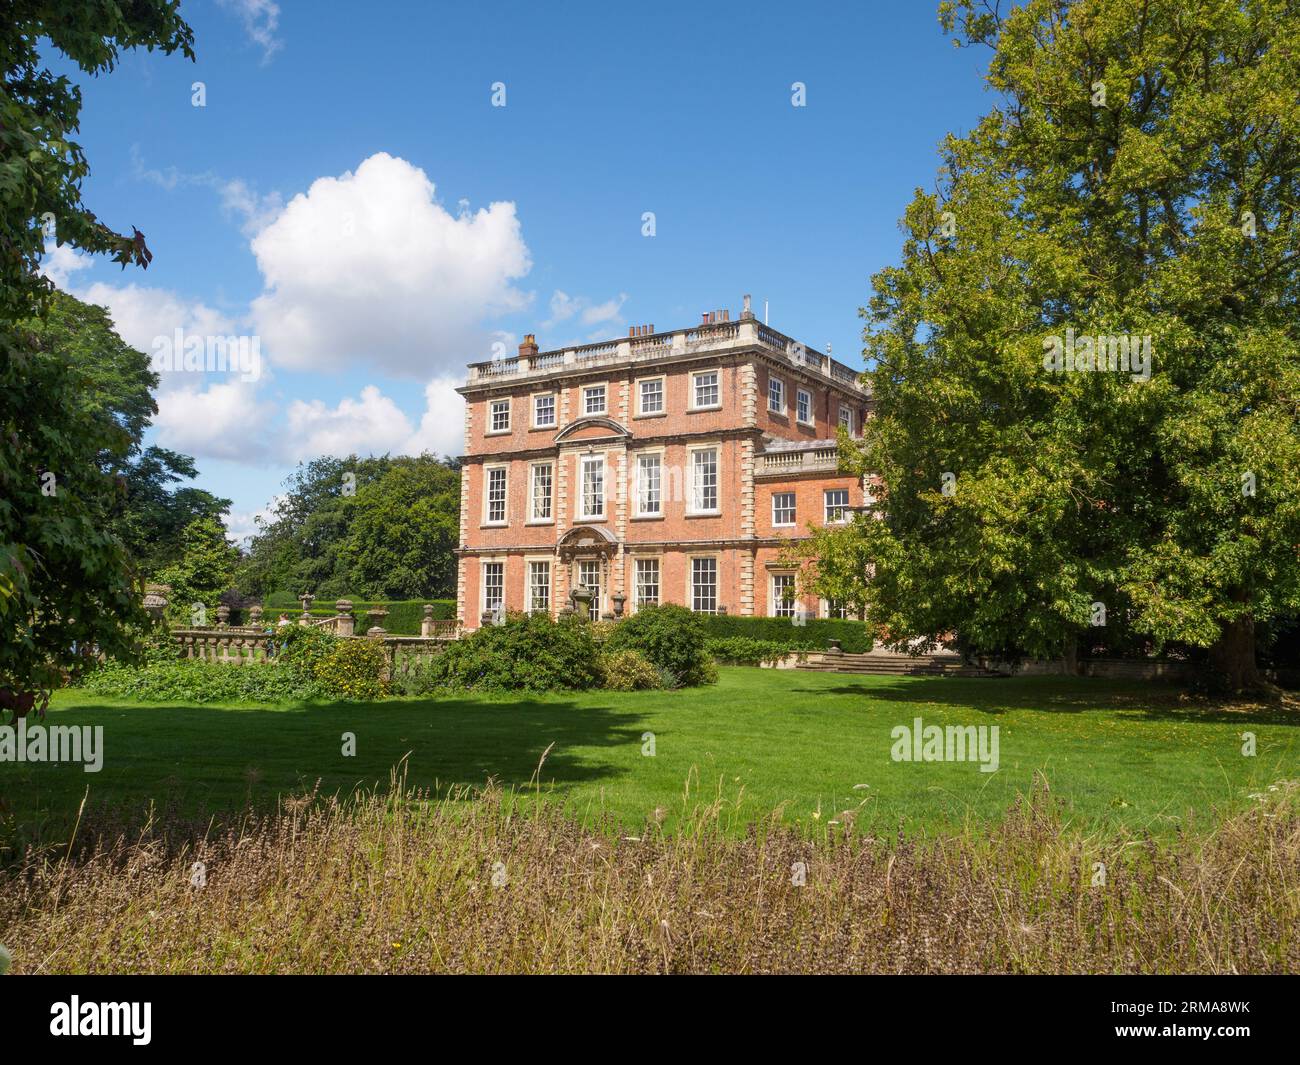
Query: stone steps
{"points": [[895, 666]]}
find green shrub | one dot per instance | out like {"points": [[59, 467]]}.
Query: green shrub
{"points": [[353, 669], [814, 635], [302, 649], [199, 682], [628, 671], [744, 651], [527, 652], [671, 637]]}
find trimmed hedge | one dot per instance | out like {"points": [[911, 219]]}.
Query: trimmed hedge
{"points": [[814, 635], [404, 616]]}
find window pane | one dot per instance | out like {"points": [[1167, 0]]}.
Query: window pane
{"points": [[589, 574], [805, 406], [544, 407], [594, 400], [652, 397], [775, 395], [648, 484], [704, 585], [783, 601], [704, 469], [783, 508], [706, 390], [500, 415], [496, 495], [593, 487], [836, 500], [647, 582], [539, 586], [541, 493], [494, 584]]}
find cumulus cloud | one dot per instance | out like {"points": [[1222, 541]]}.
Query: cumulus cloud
{"points": [[369, 268], [141, 314], [372, 424], [242, 526], [223, 420]]}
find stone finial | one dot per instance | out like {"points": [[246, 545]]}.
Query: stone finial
{"points": [[376, 614], [255, 615], [426, 625], [223, 615]]}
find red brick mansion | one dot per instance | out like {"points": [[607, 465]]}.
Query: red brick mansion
{"points": [[664, 467]]}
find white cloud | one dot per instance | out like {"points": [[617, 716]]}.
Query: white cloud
{"points": [[237, 196], [564, 307], [61, 261], [372, 424], [442, 428], [261, 18], [225, 420], [369, 267], [141, 314], [241, 526]]}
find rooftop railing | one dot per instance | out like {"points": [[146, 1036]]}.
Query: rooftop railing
{"points": [[721, 338]]}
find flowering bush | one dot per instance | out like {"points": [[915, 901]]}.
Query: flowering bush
{"points": [[628, 671], [353, 669]]}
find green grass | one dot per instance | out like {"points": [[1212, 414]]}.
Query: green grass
{"points": [[1116, 752]]}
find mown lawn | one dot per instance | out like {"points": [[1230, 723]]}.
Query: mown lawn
{"points": [[811, 745]]}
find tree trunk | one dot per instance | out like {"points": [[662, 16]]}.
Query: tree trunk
{"points": [[1232, 657], [1070, 654]]}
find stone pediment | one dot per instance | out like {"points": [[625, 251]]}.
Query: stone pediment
{"points": [[594, 428], [587, 538]]}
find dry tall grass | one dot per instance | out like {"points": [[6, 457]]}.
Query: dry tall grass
{"points": [[396, 884]]}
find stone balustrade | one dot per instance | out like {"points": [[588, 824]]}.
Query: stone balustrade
{"points": [[717, 337]]}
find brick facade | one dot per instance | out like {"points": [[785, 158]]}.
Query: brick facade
{"points": [[564, 452]]}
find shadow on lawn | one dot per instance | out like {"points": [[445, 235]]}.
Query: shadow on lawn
{"points": [[203, 759], [1068, 695]]}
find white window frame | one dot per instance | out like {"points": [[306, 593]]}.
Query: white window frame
{"points": [[692, 500], [777, 607], [793, 508], [492, 429], [641, 412], [580, 504], [533, 519], [804, 407], [604, 401], [638, 511], [690, 581], [484, 563], [488, 470], [596, 606], [555, 411], [775, 389], [841, 507], [695, 389], [657, 562], [846, 418], [530, 585]]}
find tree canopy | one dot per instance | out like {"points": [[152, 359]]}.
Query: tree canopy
{"points": [[1137, 180]]}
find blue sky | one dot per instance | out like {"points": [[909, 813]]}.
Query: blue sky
{"points": [[349, 196]]}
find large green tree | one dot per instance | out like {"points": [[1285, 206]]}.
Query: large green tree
{"points": [[378, 527], [65, 578], [1138, 178]]}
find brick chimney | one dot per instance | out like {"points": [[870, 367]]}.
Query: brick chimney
{"points": [[529, 346]]}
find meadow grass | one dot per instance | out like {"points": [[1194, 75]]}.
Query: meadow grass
{"points": [[398, 882]]}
